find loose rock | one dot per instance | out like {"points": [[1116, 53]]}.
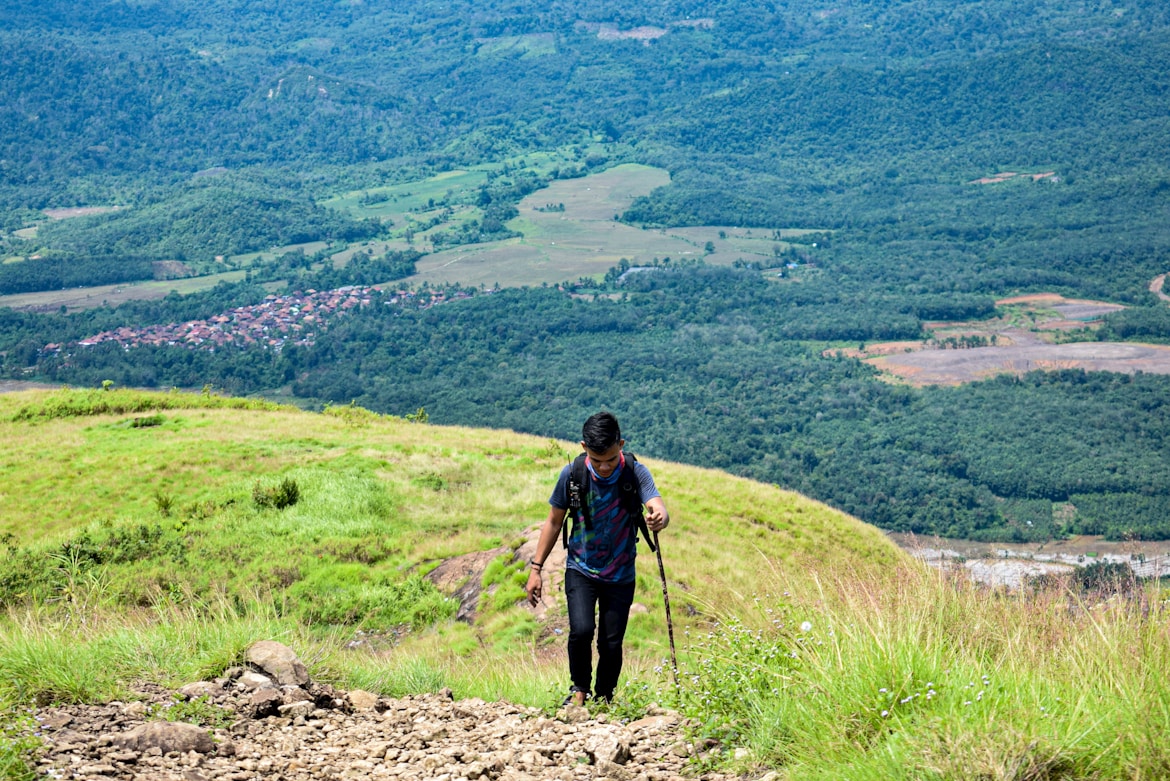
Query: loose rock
{"points": [[312, 732], [279, 661], [166, 736]]}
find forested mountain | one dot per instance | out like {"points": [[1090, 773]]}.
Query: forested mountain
{"points": [[223, 125]]}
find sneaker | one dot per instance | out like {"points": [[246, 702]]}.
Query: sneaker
{"points": [[571, 699]]}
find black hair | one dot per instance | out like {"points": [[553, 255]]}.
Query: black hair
{"points": [[601, 432]]}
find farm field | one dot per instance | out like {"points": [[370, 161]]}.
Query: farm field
{"points": [[522, 46], [419, 205], [584, 240], [403, 203], [255, 258], [952, 367], [1019, 341], [78, 298]]}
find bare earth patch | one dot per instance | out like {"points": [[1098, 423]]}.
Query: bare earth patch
{"points": [[952, 367], [170, 269], [608, 31], [1156, 285], [79, 211], [1017, 342], [1005, 176]]}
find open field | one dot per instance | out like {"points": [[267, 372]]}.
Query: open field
{"points": [[255, 258], [64, 214], [526, 46], [1019, 340], [584, 240], [77, 298], [396, 202], [413, 202], [74, 299]]}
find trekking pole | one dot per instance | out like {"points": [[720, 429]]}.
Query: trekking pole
{"points": [[666, 601]]}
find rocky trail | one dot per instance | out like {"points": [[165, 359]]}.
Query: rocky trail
{"points": [[275, 723]]}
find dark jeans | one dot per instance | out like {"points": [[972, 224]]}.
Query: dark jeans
{"points": [[611, 601]]}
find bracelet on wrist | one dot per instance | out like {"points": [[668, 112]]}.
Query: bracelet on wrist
{"points": [[538, 566]]}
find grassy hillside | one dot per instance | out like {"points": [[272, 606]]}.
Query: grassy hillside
{"points": [[155, 536], [120, 500]]}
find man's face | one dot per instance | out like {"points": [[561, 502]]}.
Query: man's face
{"points": [[604, 462]]}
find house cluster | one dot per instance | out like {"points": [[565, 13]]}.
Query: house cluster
{"points": [[273, 323]]}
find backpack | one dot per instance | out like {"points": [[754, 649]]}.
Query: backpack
{"points": [[631, 499]]}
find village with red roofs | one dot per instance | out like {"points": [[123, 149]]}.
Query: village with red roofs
{"points": [[296, 318]]}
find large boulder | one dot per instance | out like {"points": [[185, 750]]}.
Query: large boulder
{"points": [[279, 662]]}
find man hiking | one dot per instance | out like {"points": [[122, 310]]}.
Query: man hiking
{"points": [[606, 489]]}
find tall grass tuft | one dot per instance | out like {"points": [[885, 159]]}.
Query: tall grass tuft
{"points": [[49, 656], [920, 676]]}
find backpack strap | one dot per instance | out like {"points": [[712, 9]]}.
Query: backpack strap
{"points": [[631, 498], [578, 496]]}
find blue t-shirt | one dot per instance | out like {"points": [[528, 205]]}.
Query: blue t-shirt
{"points": [[606, 551]]}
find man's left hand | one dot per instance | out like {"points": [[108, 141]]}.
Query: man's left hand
{"points": [[656, 516]]}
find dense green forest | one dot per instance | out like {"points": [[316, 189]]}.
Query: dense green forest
{"points": [[221, 127], [65, 270]]}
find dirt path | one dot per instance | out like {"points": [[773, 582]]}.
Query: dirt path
{"points": [[1156, 285]]}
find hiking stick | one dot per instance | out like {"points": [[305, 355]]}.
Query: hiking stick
{"points": [[666, 601]]}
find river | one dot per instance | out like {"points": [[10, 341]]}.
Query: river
{"points": [[1011, 564]]}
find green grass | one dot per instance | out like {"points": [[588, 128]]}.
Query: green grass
{"points": [[395, 201], [528, 46], [916, 676], [977, 684], [251, 259]]}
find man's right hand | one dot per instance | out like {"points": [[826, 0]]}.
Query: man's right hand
{"points": [[535, 587]]}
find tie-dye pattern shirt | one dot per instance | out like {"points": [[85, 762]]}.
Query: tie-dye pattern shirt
{"points": [[607, 550]]}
